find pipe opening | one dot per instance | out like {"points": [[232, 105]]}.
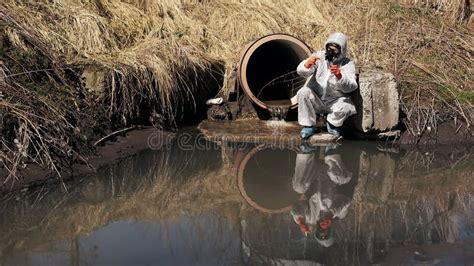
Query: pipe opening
{"points": [[268, 70]]}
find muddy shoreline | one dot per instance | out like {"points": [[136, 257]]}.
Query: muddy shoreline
{"points": [[143, 138], [112, 151]]}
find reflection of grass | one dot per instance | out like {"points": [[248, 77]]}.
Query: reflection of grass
{"points": [[159, 188], [165, 189], [424, 219], [419, 178]]}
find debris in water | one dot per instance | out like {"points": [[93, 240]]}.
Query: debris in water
{"points": [[215, 101]]}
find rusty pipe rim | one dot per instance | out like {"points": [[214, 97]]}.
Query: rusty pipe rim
{"points": [[240, 182], [247, 54]]}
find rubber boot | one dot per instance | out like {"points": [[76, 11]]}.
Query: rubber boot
{"points": [[307, 132]]}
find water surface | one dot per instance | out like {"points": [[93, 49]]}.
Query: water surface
{"points": [[350, 204]]}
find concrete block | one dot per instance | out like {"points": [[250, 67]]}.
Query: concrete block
{"points": [[377, 102]]}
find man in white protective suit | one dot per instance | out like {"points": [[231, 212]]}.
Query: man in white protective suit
{"points": [[331, 76]]}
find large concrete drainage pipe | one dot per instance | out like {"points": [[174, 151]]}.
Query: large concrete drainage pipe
{"points": [[267, 70]]}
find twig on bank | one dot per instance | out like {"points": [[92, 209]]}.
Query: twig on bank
{"points": [[115, 133]]}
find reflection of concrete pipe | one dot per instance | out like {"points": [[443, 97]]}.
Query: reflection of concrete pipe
{"points": [[267, 59], [264, 178]]}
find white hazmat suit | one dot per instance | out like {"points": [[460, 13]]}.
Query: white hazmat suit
{"points": [[323, 92]]}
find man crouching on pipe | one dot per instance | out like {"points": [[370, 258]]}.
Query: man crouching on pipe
{"points": [[331, 77]]}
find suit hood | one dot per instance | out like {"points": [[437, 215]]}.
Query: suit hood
{"points": [[339, 39]]}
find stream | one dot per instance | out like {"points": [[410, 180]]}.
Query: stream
{"points": [[243, 204]]}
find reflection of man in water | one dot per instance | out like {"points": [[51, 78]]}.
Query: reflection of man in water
{"points": [[327, 190]]}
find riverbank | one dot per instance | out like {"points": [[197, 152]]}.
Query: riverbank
{"points": [[140, 139], [112, 151]]}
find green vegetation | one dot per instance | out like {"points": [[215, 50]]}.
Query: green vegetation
{"points": [[464, 97]]}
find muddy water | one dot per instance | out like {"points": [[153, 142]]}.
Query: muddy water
{"points": [[196, 203]]}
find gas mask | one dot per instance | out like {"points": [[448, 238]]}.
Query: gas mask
{"points": [[332, 52]]}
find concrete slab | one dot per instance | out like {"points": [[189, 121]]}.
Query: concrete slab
{"points": [[259, 132], [376, 101]]}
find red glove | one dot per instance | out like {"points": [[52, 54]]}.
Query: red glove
{"points": [[311, 61], [303, 227], [336, 71]]}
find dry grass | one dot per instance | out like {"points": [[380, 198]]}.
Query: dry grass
{"points": [[43, 135], [453, 10], [148, 47]]}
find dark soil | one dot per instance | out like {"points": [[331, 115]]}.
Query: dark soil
{"points": [[448, 133], [113, 150]]}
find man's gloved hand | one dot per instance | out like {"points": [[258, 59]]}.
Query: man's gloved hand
{"points": [[336, 71], [302, 225], [311, 61]]}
